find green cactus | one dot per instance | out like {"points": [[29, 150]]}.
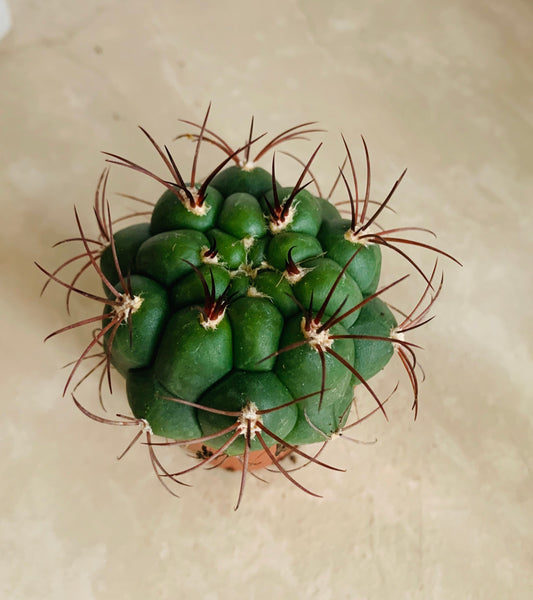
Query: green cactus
{"points": [[244, 314]]}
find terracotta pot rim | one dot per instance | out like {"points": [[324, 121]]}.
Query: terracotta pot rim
{"points": [[258, 459]]}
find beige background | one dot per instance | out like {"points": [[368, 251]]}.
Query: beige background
{"points": [[440, 508]]}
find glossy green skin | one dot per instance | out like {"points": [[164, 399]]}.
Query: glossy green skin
{"points": [[256, 254], [171, 213], [148, 400], [274, 285], [239, 284], [234, 179], [253, 344], [375, 319], [127, 243], [365, 266], [307, 215], [303, 246], [163, 256], [329, 211], [244, 359], [231, 250], [301, 370], [242, 216], [191, 358], [147, 325], [317, 283], [189, 289], [316, 424], [233, 392]]}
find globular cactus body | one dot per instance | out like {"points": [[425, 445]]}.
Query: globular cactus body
{"points": [[244, 313], [238, 354]]}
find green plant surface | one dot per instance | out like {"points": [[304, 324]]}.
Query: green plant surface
{"points": [[246, 314]]}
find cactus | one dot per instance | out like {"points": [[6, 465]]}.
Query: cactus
{"points": [[241, 313]]}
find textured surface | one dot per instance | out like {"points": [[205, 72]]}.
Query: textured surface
{"points": [[436, 509]]}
